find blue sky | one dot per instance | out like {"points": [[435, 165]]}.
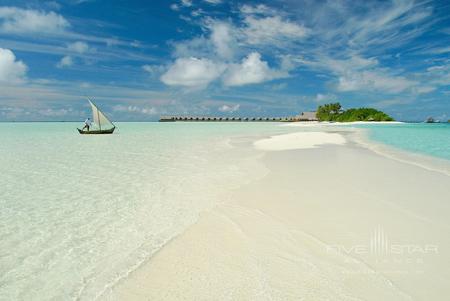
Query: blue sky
{"points": [[142, 59]]}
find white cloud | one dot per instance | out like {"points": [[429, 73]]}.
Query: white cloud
{"points": [[197, 12], [213, 1], [186, 3], [252, 70], [174, 7], [438, 75], [222, 39], [135, 109], [28, 21], [136, 44], [11, 70], [154, 69], [271, 30], [256, 9], [196, 47], [440, 50], [229, 108], [79, 47], [192, 72], [54, 112], [357, 73], [53, 5], [424, 89], [382, 24], [111, 42], [374, 81], [66, 61], [325, 97], [354, 63]]}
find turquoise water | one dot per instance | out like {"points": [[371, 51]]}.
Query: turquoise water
{"points": [[78, 213], [422, 138]]}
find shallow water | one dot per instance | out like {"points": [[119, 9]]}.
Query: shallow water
{"points": [[422, 138], [80, 212]]}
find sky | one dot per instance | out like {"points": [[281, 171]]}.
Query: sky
{"points": [[141, 59]]}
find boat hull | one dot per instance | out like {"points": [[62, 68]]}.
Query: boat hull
{"points": [[96, 132]]}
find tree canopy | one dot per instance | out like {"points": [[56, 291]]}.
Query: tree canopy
{"points": [[334, 112]]}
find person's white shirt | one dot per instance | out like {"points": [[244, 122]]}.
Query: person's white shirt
{"points": [[88, 122]]}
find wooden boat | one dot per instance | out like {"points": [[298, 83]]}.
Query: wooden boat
{"points": [[109, 131], [103, 124]]}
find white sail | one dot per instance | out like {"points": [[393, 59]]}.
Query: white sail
{"points": [[99, 118]]}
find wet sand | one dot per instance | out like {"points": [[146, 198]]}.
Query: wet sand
{"points": [[330, 221]]}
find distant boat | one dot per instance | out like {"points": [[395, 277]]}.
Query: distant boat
{"points": [[103, 124], [430, 120]]}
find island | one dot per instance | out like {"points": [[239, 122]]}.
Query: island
{"points": [[334, 112]]}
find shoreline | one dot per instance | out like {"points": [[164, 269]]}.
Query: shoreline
{"points": [[360, 137], [280, 236]]}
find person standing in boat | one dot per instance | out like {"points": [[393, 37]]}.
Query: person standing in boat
{"points": [[87, 124]]}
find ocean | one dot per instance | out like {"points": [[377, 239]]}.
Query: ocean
{"points": [[81, 212], [431, 139]]}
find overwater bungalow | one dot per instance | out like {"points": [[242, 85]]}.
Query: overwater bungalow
{"points": [[305, 116]]}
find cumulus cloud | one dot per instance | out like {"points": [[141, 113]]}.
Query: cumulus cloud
{"points": [[195, 72], [192, 72], [78, 47], [12, 71], [252, 70], [229, 108], [65, 62], [27, 21]]}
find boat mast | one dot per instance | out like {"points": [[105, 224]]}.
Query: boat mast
{"points": [[98, 118]]}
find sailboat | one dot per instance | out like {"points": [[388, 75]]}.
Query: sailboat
{"points": [[105, 126]]}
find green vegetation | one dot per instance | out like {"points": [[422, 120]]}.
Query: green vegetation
{"points": [[334, 112]]}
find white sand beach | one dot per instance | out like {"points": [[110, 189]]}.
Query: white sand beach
{"points": [[331, 220]]}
